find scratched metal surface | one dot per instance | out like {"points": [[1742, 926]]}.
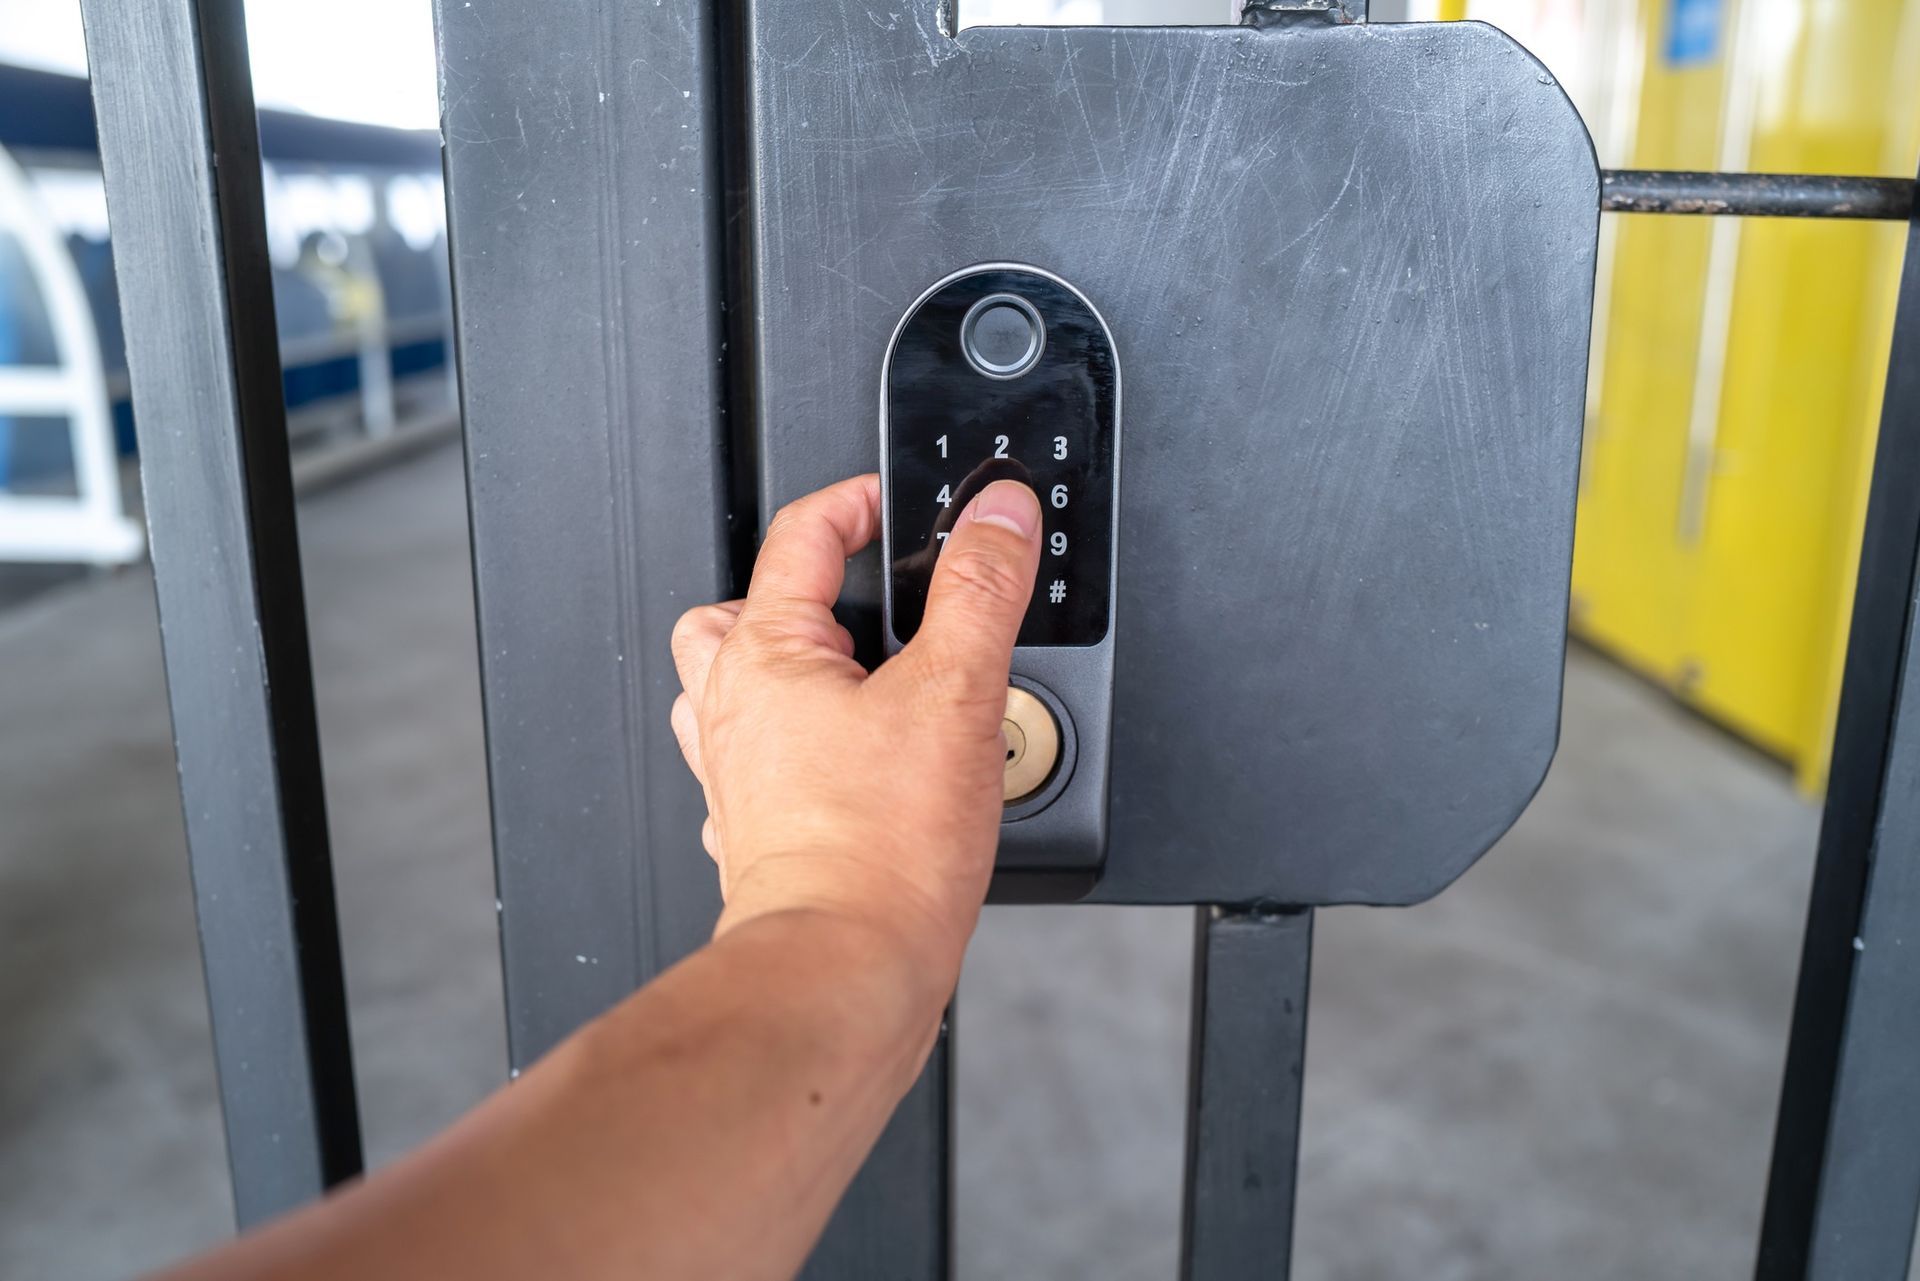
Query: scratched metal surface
{"points": [[584, 204], [1350, 273]]}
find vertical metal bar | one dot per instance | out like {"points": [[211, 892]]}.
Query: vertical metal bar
{"points": [[585, 202], [1845, 1182], [180, 147], [602, 301], [1249, 1048]]}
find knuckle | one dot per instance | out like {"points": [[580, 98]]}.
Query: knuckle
{"points": [[722, 681], [694, 625], [684, 629], [789, 515]]}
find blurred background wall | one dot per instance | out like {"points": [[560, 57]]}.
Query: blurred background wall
{"points": [[357, 225], [1737, 364]]}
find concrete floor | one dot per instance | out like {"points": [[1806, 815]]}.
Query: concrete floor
{"points": [[1565, 1066]]}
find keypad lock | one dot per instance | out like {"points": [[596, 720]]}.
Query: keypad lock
{"points": [[1005, 371]]}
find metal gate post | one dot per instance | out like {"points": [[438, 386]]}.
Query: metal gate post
{"points": [[1845, 1183], [585, 202], [1249, 1049], [180, 148], [588, 161]]}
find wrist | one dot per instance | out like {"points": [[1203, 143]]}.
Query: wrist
{"points": [[896, 944]]}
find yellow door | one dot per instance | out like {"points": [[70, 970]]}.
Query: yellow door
{"points": [[1738, 379]]}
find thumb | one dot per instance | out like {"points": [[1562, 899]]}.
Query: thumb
{"points": [[981, 584]]}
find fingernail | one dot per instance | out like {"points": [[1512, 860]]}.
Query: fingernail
{"points": [[1010, 505]]}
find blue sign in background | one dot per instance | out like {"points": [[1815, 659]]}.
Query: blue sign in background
{"points": [[1693, 32]]}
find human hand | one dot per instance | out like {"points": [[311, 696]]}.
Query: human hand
{"points": [[871, 797]]}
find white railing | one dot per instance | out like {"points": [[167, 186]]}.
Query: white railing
{"points": [[90, 526]]}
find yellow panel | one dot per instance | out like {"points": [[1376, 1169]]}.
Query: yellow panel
{"points": [[1743, 610], [1631, 578], [1799, 406]]}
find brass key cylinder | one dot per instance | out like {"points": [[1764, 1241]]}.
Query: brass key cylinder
{"points": [[1033, 745]]}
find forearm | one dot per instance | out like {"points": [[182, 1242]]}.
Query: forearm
{"points": [[707, 1126], [704, 1127]]}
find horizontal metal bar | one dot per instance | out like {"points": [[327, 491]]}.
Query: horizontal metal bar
{"points": [[1755, 195]]}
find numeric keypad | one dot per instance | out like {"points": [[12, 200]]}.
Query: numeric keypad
{"points": [[1005, 374]]}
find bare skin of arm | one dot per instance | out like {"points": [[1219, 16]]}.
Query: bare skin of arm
{"points": [[707, 1125]]}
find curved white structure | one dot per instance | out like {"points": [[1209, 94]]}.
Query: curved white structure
{"points": [[90, 527]]}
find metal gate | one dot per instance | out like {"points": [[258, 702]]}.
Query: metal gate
{"points": [[1349, 269]]}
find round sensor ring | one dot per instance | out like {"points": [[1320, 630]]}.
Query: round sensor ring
{"points": [[1002, 336]]}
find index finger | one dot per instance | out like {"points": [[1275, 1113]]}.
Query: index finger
{"points": [[804, 557]]}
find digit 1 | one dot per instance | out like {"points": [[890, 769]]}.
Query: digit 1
{"points": [[942, 442]]}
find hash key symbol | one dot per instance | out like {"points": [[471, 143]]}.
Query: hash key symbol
{"points": [[1057, 592]]}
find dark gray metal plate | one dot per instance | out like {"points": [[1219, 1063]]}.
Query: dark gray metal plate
{"points": [[1349, 270], [584, 199]]}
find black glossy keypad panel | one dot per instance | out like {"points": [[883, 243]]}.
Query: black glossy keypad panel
{"points": [[956, 423]]}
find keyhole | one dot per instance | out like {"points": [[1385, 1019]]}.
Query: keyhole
{"points": [[1016, 742]]}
